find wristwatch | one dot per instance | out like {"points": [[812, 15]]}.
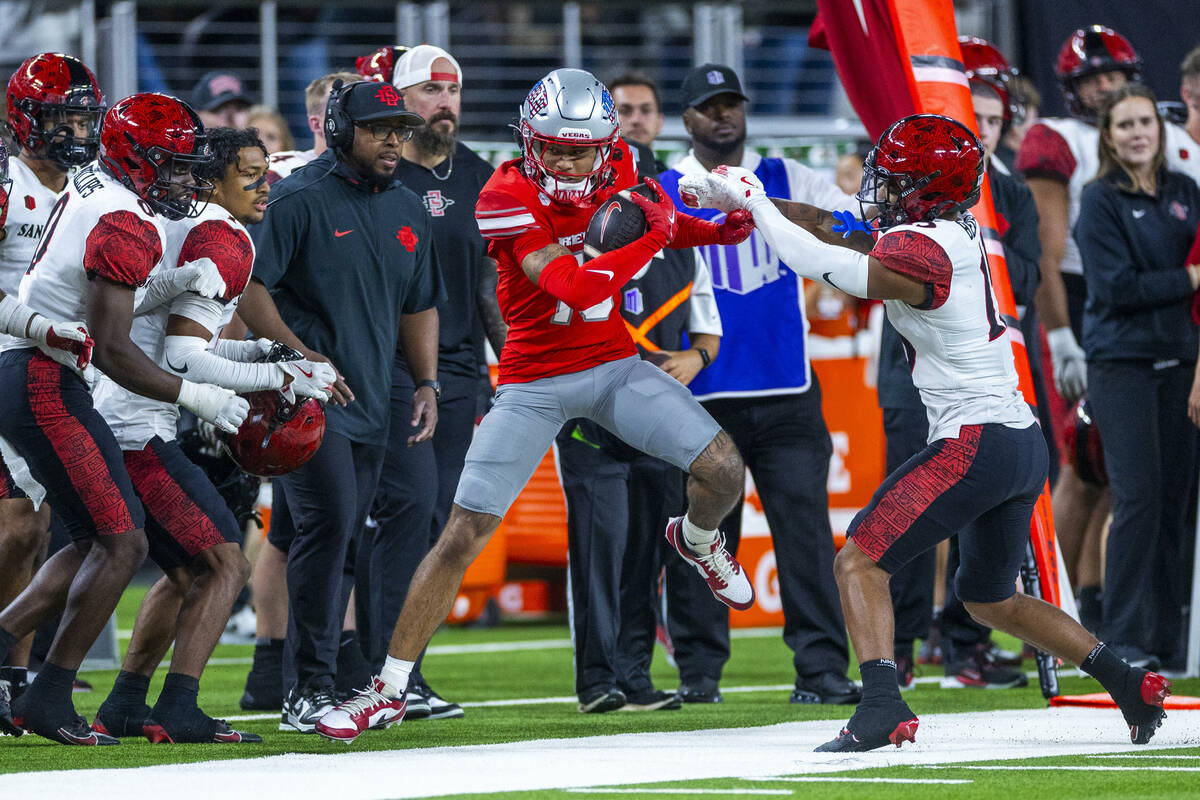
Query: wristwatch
{"points": [[704, 356], [437, 387]]}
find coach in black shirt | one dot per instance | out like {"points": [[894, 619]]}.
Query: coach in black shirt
{"points": [[347, 254], [416, 487]]}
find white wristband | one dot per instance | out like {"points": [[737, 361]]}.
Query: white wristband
{"points": [[15, 316]]}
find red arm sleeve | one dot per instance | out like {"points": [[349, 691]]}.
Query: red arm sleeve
{"points": [[915, 255], [694, 232], [582, 287], [228, 248], [123, 248]]}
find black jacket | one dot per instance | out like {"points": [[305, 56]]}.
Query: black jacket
{"points": [[1134, 247]]}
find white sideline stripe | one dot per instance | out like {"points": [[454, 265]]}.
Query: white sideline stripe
{"points": [[605, 790], [1148, 757], [1097, 768], [818, 779], [639, 758]]}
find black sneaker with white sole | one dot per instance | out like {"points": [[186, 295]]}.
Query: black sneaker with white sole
{"points": [[7, 724], [303, 707], [600, 701], [439, 708], [652, 700]]}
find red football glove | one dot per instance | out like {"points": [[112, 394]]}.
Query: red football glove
{"points": [[75, 341], [660, 213], [696, 232]]}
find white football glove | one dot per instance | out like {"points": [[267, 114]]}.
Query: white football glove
{"points": [[219, 406], [68, 343], [310, 378], [725, 188], [200, 276], [1069, 363]]}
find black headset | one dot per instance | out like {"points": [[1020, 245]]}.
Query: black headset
{"points": [[339, 128]]}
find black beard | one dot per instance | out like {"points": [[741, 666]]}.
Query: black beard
{"points": [[721, 149], [434, 141]]}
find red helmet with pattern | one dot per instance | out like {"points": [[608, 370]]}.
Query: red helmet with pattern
{"points": [[55, 108], [152, 142], [1089, 51], [378, 66], [1081, 440], [985, 64], [278, 436], [922, 167]]}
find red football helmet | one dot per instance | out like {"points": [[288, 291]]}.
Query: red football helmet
{"points": [[151, 143], [1089, 51], [55, 108], [922, 167], [1081, 440], [985, 64], [378, 66], [278, 436]]}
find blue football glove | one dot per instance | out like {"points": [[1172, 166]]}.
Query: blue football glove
{"points": [[847, 224]]}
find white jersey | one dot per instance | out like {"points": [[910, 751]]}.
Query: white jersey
{"points": [[285, 162], [1084, 142], [1183, 152], [98, 228], [135, 419], [957, 344], [29, 204]]}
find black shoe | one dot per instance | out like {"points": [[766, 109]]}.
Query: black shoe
{"points": [[1005, 658], [7, 723], [304, 706], [601, 700], [978, 669], [1142, 706], [264, 683], [874, 724], [193, 726], [650, 699], [439, 708], [830, 688], [58, 722], [703, 692], [113, 720]]}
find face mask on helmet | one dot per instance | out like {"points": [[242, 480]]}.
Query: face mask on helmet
{"points": [[567, 186], [55, 109], [71, 135], [176, 192], [884, 191]]}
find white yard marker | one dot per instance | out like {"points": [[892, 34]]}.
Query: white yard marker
{"points": [[833, 779]]}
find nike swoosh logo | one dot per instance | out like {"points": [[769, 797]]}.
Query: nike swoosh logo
{"points": [[1138, 214], [179, 370], [90, 739], [747, 181], [303, 372], [609, 273], [339, 234], [825, 278]]}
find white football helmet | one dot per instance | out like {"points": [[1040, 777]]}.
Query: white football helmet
{"points": [[568, 106]]}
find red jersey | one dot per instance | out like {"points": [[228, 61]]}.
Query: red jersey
{"points": [[545, 336]]}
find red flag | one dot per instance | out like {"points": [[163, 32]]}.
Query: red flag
{"points": [[860, 36]]}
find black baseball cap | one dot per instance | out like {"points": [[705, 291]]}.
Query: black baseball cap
{"points": [[707, 81], [215, 89], [368, 101]]}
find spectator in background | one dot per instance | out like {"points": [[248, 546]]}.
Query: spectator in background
{"points": [[1137, 221], [416, 486], [272, 128], [1026, 100], [221, 100], [1184, 141], [639, 107], [347, 210], [316, 96], [847, 172], [764, 394]]}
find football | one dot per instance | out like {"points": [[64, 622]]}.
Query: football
{"points": [[617, 222]]}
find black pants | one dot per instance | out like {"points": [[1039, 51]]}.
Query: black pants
{"points": [[411, 505], [328, 499], [786, 446], [1149, 452], [618, 504]]}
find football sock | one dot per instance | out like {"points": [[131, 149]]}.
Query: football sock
{"points": [[1115, 675], [879, 679], [697, 538], [52, 686], [129, 690], [395, 673], [179, 692], [7, 640]]}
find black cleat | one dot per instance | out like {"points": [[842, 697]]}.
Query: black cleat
{"points": [[829, 688], [875, 724], [120, 722], [7, 723], [702, 691], [58, 722], [1144, 711], [201, 730]]}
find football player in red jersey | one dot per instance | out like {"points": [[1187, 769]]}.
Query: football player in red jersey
{"points": [[567, 355], [986, 460], [54, 112], [102, 240]]}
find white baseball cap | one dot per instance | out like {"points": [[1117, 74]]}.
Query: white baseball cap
{"points": [[416, 66]]}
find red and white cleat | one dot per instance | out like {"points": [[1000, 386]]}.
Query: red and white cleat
{"points": [[378, 706], [720, 570]]}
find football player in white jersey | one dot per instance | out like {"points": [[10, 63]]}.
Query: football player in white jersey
{"points": [[54, 112], [285, 162], [193, 535], [101, 242], [986, 460]]}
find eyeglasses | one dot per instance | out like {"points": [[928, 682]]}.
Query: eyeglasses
{"points": [[380, 132]]}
